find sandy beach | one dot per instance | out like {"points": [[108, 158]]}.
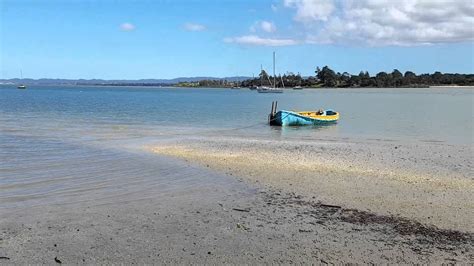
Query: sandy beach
{"points": [[430, 182], [222, 224], [260, 212]]}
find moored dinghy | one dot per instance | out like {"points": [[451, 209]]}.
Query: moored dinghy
{"points": [[305, 118]]}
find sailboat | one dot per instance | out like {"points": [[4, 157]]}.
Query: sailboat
{"points": [[21, 86], [298, 87], [254, 87], [263, 89]]}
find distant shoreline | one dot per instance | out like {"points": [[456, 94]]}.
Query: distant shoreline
{"points": [[174, 86], [451, 86], [324, 77]]}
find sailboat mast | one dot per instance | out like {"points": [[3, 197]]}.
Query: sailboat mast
{"points": [[274, 77], [21, 74], [261, 75]]}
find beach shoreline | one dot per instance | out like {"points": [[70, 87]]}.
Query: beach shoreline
{"points": [[243, 218], [231, 226], [430, 183]]}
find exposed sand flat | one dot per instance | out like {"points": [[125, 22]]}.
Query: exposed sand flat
{"points": [[277, 217], [428, 182], [217, 225]]}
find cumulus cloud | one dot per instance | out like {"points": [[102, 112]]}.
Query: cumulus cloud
{"points": [[127, 26], [266, 26], [311, 10], [194, 27], [259, 41], [385, 22]]}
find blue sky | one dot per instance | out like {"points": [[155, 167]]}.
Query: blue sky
{"points": [[168, 39]]}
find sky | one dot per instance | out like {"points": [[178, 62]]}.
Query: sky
{"points": [[220, 38]]}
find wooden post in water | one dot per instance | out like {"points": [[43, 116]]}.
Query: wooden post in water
{"points": [[271, 116]]}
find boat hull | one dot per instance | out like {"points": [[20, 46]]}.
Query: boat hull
{"points": [[289, 118], [269, 90]]}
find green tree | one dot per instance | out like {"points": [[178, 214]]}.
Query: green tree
{"points": [[382, 79], [436, 77], [327, 76], [364, 79], [264, 78], [397, 78], [345, 79], [409, 78]]}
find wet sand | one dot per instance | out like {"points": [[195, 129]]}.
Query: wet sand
{"points": [[430, 183], [222, 225], [275, 202]]}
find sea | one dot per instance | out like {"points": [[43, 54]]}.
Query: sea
{"points": [[69, 144]]}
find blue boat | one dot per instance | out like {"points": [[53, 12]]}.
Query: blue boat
{"points": [[303, 118]]}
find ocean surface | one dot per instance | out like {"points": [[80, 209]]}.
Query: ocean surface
{"points": [[70, 144]]}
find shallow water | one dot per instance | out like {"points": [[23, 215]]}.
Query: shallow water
{"points": [[70, 144], [84, 112], [35, 172]]}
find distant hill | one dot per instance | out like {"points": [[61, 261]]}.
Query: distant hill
{"points": [[46, 81]]}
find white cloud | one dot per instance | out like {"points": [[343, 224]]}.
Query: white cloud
{"points": [[266, 26], [194, 27], [385, 22], [127, 26], [259, 41], [311, 10]]}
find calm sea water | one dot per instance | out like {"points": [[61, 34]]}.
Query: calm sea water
{"points": [[57, 143]]}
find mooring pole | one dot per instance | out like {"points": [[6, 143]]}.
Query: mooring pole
{"points": [[271, 116]]}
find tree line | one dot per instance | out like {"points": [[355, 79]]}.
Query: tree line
{"points": [[326, 77], [210, 83]]}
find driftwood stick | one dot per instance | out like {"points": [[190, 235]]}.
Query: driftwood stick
{"points": [[330, 206], [241, 210]]}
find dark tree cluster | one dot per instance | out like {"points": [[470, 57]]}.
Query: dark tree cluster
{"points": [[326, 77], [140, 84], [211, 83]]}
